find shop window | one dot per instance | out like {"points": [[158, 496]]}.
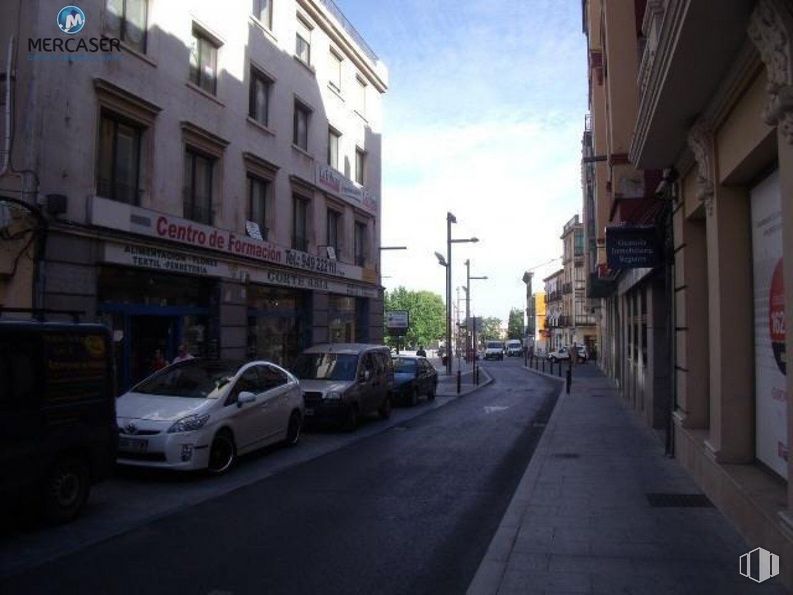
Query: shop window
{"points": [[119, 159], [341, 319], [300, 224], [126, 20]]}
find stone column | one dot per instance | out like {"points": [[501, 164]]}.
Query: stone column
{"points": [[771, 30]]}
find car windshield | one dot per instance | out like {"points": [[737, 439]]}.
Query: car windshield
{"points": [[195, 378], [404, 365], [326, 366], [494, 345]]}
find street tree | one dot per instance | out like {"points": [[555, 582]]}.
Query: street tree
{"points": [[515, 327], [489, 329], [427, 315]]}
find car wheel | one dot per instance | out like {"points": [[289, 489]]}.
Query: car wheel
{"points": [[294, 428], [414, 396], [385, 408], [66, 489], [222, 453], [351, 420]]}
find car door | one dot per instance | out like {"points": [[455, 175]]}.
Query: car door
{"points": [[248, 420], [369, 397], [426, 376], [278, 393]]}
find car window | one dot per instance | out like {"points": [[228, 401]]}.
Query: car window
{"points": [[248, 381], [272, 377], [326, 366], [405, 365], [192, 378]]}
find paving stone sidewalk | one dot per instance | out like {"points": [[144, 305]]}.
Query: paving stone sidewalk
{"points": [[581, 520]]}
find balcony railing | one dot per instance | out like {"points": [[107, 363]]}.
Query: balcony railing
{"points": [[351, 31]]}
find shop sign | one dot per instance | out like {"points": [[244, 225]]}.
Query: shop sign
{"points": [[123, 217], [397, 319], [332, 181], [771, 435], [297, 281], [632, 247], [169, 261]]}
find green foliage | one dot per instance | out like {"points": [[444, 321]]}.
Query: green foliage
{"points": [[488, 329], [515, 324], [427, 316]]}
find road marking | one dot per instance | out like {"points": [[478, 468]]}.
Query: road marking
{"points": [[494, 408]]}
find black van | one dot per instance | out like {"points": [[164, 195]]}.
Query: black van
{"points": [[57, 412]]}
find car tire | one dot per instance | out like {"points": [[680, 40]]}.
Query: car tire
{"points": [[351, 419], [222, 453], [294, 428], [385, 408], [65, 489]]}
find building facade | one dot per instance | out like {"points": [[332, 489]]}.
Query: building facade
{"points": [[713, 113], [206, 177], [577, 321], [554, 311]]}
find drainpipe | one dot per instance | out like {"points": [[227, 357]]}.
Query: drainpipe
{"points": [[7, 114]]}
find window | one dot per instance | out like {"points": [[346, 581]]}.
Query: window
{"points": [[263, 11], [272, 377], [360, 163], [334, 70], [259, 99], [198, 173], [303, 41], [334, 229], [360, 96], [118, 172], [300, 224], [126, 19], [203, 62], [333, 148], [300, 126], [360, 243], [257, 203]]}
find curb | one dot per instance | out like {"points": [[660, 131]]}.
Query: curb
{"points": [[474, 388], [490, 573]]}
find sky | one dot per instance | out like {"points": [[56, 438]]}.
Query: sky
{"points": [[483, 118]]}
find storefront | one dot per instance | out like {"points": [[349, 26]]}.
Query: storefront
{"points": [[279, 323]]}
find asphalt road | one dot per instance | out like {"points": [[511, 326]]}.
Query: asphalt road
{"points": [[409, 510]]}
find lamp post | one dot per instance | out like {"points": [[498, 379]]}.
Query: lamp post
{"points": [[450, 218], [468, 278]]}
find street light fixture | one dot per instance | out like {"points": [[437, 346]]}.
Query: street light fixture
{"points": [[450, 218], [468, 278]]}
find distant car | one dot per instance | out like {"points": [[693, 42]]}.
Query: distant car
{"points": [[414, 376], [494, 350], [514, 348], [57, 413], [583, 353], [563, 353], [202, 414], [343, 381]]}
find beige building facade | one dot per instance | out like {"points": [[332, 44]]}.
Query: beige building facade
{"points": [[713, 114], [210, 177]]}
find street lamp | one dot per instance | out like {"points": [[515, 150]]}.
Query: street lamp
{"points": [[450, 218], [468, 278]]}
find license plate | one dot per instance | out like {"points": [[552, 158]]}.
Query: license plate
{"points": [[133, 444], [309, 411]]}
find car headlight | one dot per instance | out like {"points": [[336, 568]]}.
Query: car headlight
{"points": [[188, 424], [332, 395]]}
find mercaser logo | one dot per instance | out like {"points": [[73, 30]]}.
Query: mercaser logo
{"points": [[759, 565], [71, 20]]}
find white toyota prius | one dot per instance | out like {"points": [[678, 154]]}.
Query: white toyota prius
{"points": [[202, 414]]}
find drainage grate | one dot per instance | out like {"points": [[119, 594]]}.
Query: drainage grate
{"points": [[662, 500], [566, 455]]}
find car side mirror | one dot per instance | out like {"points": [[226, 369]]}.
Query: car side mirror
{"points": [[245, 397], [366, 375]]}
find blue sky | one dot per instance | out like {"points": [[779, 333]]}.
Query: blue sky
{"points": [[483, 118]]}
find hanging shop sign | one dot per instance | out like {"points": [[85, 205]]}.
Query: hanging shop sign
{"points": [[124, 217], [632, 247], [332, 181], [771, 435]]}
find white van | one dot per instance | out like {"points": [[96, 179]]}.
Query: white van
{"points": [[494, 350], [514, 348]]}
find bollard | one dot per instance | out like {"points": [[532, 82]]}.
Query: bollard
{"points": [[543, 366], [569, 379], [458, 381], [560, 369]]}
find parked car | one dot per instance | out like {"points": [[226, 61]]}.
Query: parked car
{"points": [[562, 353], [514, 348], [202, 414], [414, 376], [494, 350], [57, 413], [344, 381], [583, 353]]}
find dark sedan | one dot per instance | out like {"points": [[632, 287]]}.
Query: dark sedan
{"points": [[414, 376]]}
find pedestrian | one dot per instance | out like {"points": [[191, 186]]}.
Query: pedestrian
{"points": [[159, 361], [421, 351], [182, 354]]}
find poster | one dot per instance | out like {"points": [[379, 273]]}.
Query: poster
{"points": [[769, 326]]}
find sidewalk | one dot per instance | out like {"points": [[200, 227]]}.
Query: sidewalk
{"points": [[581, 520], [447, 385]]}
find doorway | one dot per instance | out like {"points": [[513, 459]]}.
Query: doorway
{"points": [[148, 334]]}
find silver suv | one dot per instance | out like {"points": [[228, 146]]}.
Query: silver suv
{"points": [[343, 381]]}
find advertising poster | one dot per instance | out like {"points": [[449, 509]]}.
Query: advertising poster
{"points": [[769, 326]]}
